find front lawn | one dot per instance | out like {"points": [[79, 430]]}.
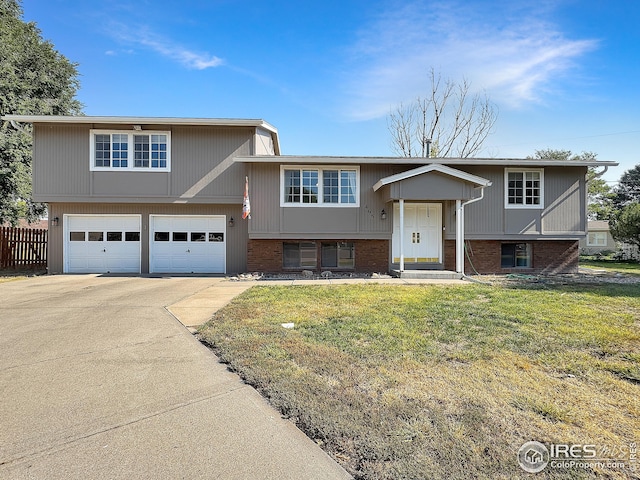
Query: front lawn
{"points": [[442, 381], [611, 266]]}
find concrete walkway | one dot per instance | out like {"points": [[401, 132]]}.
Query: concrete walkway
{"points": [[198, 308], [99, 380]]}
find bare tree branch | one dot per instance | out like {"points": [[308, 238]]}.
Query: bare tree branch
{"points": [[452, 120]]}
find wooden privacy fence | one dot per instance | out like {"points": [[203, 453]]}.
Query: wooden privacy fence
{"points": [[22, 248]]}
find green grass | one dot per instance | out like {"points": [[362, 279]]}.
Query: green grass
{"points": [[441, 381], [611, 266]]}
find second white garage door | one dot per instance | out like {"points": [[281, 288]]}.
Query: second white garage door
{"points": [[187, 244]]}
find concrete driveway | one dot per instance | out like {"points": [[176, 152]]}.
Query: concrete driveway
{"points": [[99, 380]]}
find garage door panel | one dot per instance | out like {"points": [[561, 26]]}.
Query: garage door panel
{"points": [[187, 244], [102, 243]]}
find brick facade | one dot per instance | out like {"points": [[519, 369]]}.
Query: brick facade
{"points": [[266, 255], [548, 257]]}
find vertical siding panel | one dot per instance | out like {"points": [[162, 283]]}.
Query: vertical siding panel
{"points": [[486, 216], [264, 191], [55, 240], [565, 204], [195, 154], [61, 160], [372, 203]]}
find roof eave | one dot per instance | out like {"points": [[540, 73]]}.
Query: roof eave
{"points": [[111, 120], [433, 167], [513, 162]]}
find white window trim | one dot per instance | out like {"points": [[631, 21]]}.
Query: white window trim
{"points": [[320, 169], [130, 159], [602, 235], [524, 205]]}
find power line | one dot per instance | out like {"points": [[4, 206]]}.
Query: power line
{"points": [[565, 139]]}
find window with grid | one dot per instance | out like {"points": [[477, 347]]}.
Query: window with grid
{"points": [[524, 188], [111, 151], [319, 186]]}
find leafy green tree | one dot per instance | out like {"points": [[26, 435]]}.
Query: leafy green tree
{"points": [[35, 79], [600, 196], [628, 189], [625, 225]]}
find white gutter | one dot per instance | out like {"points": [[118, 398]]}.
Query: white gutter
{"points": [[460, 230]]}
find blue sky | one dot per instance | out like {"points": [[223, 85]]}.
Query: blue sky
{"points": [[564, 74]]}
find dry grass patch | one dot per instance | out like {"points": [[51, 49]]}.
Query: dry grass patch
{"points": [[441, 381]]}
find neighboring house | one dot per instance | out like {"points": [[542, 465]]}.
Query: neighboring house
{"points": [[598, 239], [164, 195]]}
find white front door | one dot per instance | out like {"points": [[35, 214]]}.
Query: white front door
{"points": [[422, 233], [101, 243], [187, 244]]}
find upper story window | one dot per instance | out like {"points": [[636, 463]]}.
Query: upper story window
{"points": [[320, 186], [524, 188], [118, 150]]}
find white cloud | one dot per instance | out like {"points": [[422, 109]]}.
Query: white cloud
{"points": [[165, 47], [516, 55], [188, 58]]}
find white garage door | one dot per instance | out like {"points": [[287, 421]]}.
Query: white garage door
{"points": [[187, 244], [102, 244]]}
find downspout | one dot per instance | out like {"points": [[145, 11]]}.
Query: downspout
{"points": [[460, 230], [586, 195], [18, 127], [401, 266], [598, 175]]}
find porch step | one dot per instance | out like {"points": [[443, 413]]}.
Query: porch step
{"points": [[427, 274]]}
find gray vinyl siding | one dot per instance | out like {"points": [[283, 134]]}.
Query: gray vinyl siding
{"points": [[269, 220], [568, 195], [60, 164], [236, 236], [202, 167], [563, 215], [264, 143], [438, 185]]}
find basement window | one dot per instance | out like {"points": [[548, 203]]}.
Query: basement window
{"points": [[338, 255], [516, 255], [299, 255]]}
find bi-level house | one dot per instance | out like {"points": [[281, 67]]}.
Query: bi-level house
{"points": [[165, 195]]}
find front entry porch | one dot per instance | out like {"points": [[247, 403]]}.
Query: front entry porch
{"points": [[418, 196], [417, 236]]}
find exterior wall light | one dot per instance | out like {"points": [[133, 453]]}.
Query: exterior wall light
{"points": [[383, 214], [232, 222], [55, 221]]}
